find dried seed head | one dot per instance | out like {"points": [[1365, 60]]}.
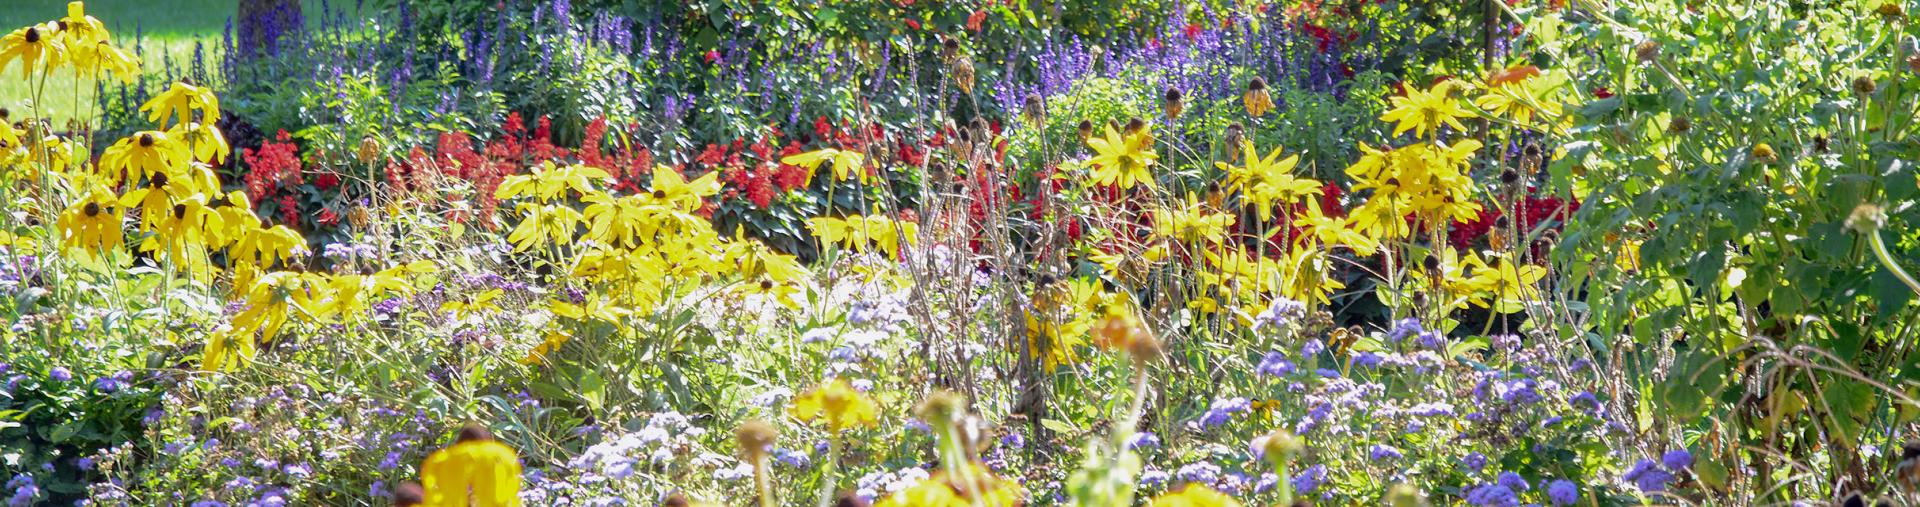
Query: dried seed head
{"points": [[1236, 134], [4, 113], [1509, 177], [1863, 85], [1820, 143], [675, 500], [1134, 125], [1086, 130], [754, 437], [1647, 51], [1431, 263], [1890, 11], [1500, 222], [1258, 84], [1679, 124], [1033, 111]]}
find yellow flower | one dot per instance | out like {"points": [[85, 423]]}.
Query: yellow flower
{"points": [[1451, 277], [837, 404], [143, 155], [476, 471], [1509, 281], [32, 45], [1056, 342], [846, 163], [976, 486], [1257, 99], [867, 233], [552, 343], [349, 293], [1194, 495], [1191, 223], [670, 188], [185, 229], [1316, 226], [1263, 182], [207, 143], [1522, 94], [1123, 160], [547, 182], [1426, 110], [597, 307], [181, 100], [543, 224], [93, 224]]}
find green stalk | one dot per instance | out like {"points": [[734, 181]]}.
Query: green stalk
{"points": [[1886, 259], [827, 478]]}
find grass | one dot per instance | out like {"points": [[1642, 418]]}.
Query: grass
{"points": [[162, 30]]}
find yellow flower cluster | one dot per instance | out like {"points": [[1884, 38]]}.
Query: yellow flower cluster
{"points": [[77, 41], [635, 251]]}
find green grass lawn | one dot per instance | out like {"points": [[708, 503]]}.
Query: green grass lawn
{"points": [[166, 28]]}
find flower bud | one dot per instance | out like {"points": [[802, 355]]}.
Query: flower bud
{"points": [[1764, 153], [943, 407], [1679, 125]]}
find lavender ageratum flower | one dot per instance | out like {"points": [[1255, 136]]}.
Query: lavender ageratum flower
{"points": [[1282, 312], [1403, 328], [1312, 347], [1383, 452], [1474, 461], [1512, 481], [60, 374], [1201, 472], [1563, 492], [1143, 440], [1648, 476], [1275, 364], [792, 457], [1222, 411], [1310, 479], [1154, 477], [1431, 340], [1493, 495], [1677, 459]]}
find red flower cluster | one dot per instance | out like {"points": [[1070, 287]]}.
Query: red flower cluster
{"points": [[1532, 211], [274, 165]]}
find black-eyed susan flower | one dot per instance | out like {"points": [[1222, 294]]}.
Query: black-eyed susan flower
{"points": [[1191, 223], [866, 233], [184, 229], [1424, 111], [143, 155], [93, 224], [547, 182], [837, 405], [847, 164], [671, 188], [1265, 182], [1258, 99], [1123, 159], [204, 141], [181, 100], [543, 224], [475, 471], [33, 46]]}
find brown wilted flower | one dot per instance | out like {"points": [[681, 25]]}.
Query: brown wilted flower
{"points": [[963, 74], [1033, 110], [369, 150], [1173, 102], [1086, 131], [1890, 11], [1236, 134], [941, 407], [1679, 125]]}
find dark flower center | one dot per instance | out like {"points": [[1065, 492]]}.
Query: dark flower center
{"points": [[659, 194], [146, 140], [33, 35], [92, 209], [179, 212], [159, 180], [766, 285]]}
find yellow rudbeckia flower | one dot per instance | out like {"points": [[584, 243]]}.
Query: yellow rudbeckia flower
{"points": [[182, 100], [837, 404], [475, 471]]}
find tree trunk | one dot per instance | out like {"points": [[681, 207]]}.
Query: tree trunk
{"points": [[264, 25]]}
